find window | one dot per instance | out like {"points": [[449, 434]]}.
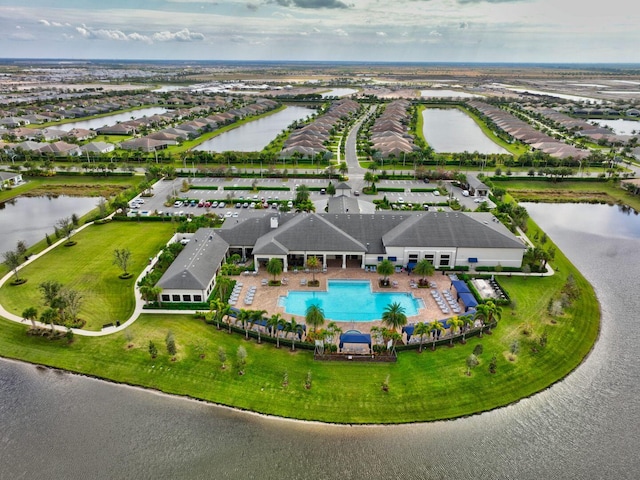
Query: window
{"points": [[197, 298], [444, 260], [175, 298], [431, 257], [166, 298], [186, 298], [413, 258]]}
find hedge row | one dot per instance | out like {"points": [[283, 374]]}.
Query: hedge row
{"points": [[203, 187], [423, 190]]}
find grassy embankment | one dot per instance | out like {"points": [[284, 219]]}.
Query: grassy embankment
{"points": [[569, 191], [76, 186], [88, 268], [422, 387]]}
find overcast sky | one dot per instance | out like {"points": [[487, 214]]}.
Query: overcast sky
{"points": [[359, 30]]}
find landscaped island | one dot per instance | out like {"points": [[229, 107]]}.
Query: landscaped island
{"points": [[419, 387]]}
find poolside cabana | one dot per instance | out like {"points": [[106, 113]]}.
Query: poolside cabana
{"points": [[468, 300], [354, 336]]}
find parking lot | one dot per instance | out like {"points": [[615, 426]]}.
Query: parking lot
{"points": [[239, 203]]}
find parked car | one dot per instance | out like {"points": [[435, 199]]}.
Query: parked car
{"points": [[436, 193], [177, 204], [222, 205], [465, 193], [214, 204], [356, 193]]}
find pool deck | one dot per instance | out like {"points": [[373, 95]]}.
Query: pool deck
{"points": [[266, 297]]}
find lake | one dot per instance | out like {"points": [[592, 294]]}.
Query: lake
{"points": [[30, 218], [447, 94], [449, 130], [58, 425], [339, 92], [619, 126], [96, 123], [257, 134]]}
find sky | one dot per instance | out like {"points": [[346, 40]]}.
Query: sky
{"points": [[548, 31]]}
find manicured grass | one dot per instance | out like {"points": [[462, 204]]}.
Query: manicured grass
{"points": [[88, 267], [422, 387]]}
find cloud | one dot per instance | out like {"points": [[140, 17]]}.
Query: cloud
{"points": [[490, 1], [463, 25], [44, 22], [310, 3], [252, 6], [183, 35], [341, 33], [381, 34], [434, 33]]}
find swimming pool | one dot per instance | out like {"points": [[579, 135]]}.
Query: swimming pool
{"points": [[349, 301]]}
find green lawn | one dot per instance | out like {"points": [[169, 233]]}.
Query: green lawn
{"points": [[422, 387], [88, 267]]}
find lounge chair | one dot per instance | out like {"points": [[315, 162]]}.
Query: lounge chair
{"points": [[264, 282], [303, 281]]}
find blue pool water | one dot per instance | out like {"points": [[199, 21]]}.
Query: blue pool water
{"points": [[349, 301]]}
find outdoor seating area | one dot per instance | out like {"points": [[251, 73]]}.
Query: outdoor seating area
{"points": [[248, 298], [235, 293], [445, 301]]}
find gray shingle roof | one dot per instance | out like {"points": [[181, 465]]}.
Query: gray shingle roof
{"points": [[369, 232], [195, 266], [307, 232], [451, 229]]}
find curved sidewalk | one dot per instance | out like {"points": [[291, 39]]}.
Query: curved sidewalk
{"points": [[138, 309]]}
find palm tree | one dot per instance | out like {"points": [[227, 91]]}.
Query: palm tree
{"points": [[487, 311], [421, 329], [302, 193], [394, 316], [435, 327], [255, 316], [385, 268], [467, 321], [273, 323], [50, 315], [425, 269], [332, 330], [313, 264], [31, 314], [295, 328], [454, 324], [274, 267], [314, 316], [243, 317]]}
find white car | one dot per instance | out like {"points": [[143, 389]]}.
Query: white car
{"points": [[228, 215], [400, 200], [235, 215], [436, 193]]}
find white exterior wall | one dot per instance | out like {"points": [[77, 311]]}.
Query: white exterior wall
{"points": [[171, 293], [511, 257]]}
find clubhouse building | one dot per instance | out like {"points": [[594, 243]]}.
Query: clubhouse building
{"points": [[341, 240]]}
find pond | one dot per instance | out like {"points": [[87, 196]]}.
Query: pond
{"points": [[453, 131], [255, 135], [576, 98], [447, 94], [619, 126], [28, 219], [339, 92], [96, 123]]}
